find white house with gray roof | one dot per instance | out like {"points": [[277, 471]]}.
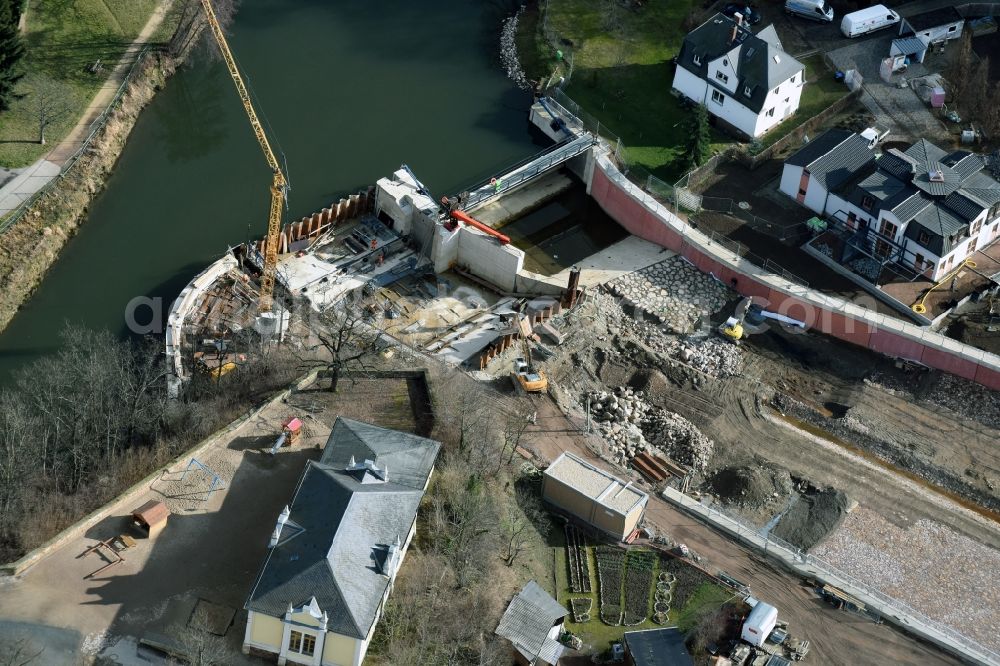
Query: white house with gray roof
{"points": [[924, 210], [334, 551], [747, 81]]}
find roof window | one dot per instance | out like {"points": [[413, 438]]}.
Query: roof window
{"points": [[776, 58]]}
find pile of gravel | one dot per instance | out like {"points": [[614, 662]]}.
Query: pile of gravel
{"points": [[812, 517], [630, 424]]}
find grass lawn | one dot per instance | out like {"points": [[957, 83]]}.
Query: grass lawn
{"points": [[622, 74], [820, 92], [598, 636], [64, 38]]}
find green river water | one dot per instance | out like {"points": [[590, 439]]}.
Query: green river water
{"points": [[350, 88]]}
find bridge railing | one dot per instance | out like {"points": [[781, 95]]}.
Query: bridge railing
{"points": [[562, 153]]}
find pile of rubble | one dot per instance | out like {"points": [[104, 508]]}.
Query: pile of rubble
{"points": [[674, 291], [709, 354], [712, 356], [630, 425], [971, 400]]}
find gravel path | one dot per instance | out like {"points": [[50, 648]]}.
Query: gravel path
{"points": [[948, 577]]}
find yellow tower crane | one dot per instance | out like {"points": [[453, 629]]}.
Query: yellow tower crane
{"points": [[279, 185]]}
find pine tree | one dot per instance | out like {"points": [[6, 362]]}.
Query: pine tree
{"points": [[699, 139], [11, 51]]}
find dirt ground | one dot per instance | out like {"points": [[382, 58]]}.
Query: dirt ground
{"points": [[210, 550], [837, 638], [916, 461]]}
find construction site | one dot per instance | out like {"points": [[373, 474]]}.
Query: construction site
{"points": [[847, 437], [793, 446]]}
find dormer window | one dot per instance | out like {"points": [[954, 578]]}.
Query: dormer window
{"points": [[747, 91], [697, 60], [924, 238], [868, 203]]}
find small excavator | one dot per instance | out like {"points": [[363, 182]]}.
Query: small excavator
{"points": [[526, 376], [750, 318]]}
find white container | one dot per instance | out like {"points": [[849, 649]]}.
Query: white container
{"points": [[816, 10], [868, 20], [759, 624]]}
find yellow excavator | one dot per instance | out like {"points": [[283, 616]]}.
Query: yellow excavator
{"points": [[528, 377], [279, 184]]}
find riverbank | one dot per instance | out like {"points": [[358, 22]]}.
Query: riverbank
{"points": [[32, 245]]}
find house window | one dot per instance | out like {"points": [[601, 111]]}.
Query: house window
{"points": [[918, 263], [930, 268], [976, 226], [697, 60], [953, 28], [923, 238], [792, 79], [722, 77], [301, 643], [777, 89], [852, 221], [725, 63], [770, 112], [868, 203], [972, 246], [882, 248], [888, 229], [787, 99], [717, 97]]}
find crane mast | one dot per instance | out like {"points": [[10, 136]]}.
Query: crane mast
{"points": [[279, 185]]}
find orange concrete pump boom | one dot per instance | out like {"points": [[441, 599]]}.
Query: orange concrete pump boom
{"points": [[463, 217], [279, 184]]}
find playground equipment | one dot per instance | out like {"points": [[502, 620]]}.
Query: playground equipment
{"points": [[217, 483], [291, 430]]}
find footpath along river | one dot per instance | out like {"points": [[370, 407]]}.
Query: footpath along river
{"points": [[350, 88]]}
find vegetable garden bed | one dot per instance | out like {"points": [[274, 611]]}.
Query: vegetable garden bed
{"points": [[638, 582], [610, 570]]}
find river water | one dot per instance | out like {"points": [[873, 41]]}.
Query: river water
{"points": [[350, 89]]}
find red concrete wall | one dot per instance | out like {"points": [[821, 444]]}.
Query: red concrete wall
{"points": [[640, 221], [988, 377], [956, 365]]}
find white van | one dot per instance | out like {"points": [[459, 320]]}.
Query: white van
{"points": [[817, 10], [868, 20]]}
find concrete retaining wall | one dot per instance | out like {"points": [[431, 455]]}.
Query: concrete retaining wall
{"points": [[125, 502], [647, 218], [485, 257]]}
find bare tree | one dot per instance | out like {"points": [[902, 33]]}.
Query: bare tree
{"points": [[51, 102], [961, 64], [202, 648], [347, 337], [979, 89], [523, 520], [515, 424], [19, 651]]}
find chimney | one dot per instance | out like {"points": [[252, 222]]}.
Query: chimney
{"points": [[282, 519], [738, 21]]}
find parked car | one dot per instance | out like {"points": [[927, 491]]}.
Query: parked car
{"points": [[814, 10], [749, 14]]}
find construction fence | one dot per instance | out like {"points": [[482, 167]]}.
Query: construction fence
{"points": [[18, 213], [810, 566]]}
